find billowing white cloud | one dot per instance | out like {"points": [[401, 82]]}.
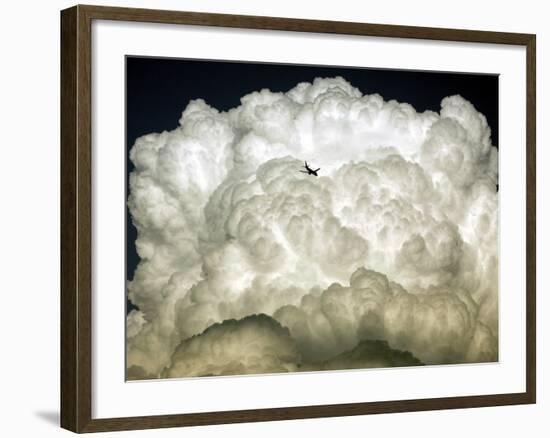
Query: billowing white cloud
{"points": [[257, 344], [436, 325], [396, 239], [252, 345]]}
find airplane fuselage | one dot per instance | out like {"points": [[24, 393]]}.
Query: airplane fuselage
{"points": [[309, 170]]}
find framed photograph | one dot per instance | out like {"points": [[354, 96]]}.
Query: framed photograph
{"points": [[269, 218]]}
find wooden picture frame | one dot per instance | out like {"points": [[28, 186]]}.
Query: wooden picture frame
{"points": [[76, 218]]}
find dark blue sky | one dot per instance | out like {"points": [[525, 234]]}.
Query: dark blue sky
{"points": [[159, 89]]}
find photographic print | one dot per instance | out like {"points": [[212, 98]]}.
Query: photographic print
{"points": [[297, 218]]}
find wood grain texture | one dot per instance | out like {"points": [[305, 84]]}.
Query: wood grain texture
{"points": [[76, 218], [68, 347], [299, 25], [531, 219]]}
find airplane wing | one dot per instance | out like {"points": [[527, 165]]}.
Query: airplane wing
{"points": [[317, 170], [303, 171]]}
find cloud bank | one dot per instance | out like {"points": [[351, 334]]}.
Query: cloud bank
{"points": [[396, 241]]}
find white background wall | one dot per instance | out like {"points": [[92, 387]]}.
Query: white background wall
{"points": [[29, 215]]}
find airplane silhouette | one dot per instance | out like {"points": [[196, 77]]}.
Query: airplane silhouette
{"points": [[309, 170]]}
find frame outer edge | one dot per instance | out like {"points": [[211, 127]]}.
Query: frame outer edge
{"points": [[84, 218], [69, 342], [76, 249], [531, 217]]}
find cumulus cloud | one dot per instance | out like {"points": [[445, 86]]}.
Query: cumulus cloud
{"points": [[395, 241], [367, 354], [258, 344], [252, 345]]}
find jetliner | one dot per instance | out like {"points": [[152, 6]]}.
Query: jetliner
{"points": [[309, 170]]}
